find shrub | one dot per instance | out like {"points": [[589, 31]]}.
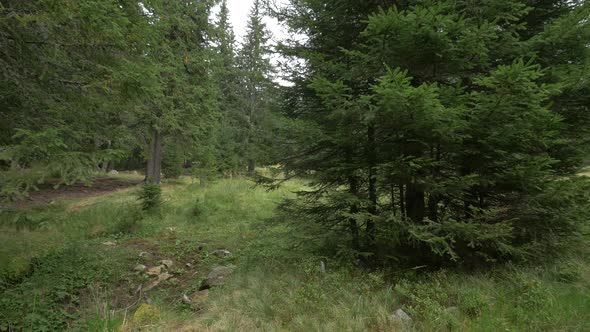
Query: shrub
{"points": [[150, 196]]}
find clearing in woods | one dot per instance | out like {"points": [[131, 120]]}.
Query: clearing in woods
{"points": [[106, 266]]}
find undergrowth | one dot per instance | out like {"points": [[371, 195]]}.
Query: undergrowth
{"points": [[279, 283]]}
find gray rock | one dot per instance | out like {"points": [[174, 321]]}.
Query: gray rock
{"points": [[109, 243], [113, 172], [222, 253], [217, 276], [167, 263], [140, 268], [401, 316]]}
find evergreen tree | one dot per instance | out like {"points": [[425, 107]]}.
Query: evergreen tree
{"points": [[256, 71], [431, 123]]}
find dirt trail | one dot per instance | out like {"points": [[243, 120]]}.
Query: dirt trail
{"points": [[100, 186]]}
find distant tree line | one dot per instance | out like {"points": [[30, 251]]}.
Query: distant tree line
{"points": [[88, 84]]}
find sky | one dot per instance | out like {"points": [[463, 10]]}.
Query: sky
{"points": [[239, 11]]}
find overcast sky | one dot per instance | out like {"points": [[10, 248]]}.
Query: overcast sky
{"points": [[239, 11]]}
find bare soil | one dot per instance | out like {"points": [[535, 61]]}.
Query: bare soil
{"points": [[47, 192]]}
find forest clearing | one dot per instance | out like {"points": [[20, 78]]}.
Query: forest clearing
{"points": [[294, 165], [88, 282]]}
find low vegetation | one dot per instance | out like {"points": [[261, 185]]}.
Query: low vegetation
{"points": [[73, 268]]}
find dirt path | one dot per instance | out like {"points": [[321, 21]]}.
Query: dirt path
{"points": [[100, 186]]}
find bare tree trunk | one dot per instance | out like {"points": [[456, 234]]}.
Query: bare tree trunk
{"points": [[251, 167], [154, 163], [415, 202], [353, 226], [370, 229]]}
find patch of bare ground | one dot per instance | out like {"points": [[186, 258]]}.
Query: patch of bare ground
{"points": [[48, 192]]}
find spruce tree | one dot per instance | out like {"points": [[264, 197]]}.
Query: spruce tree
{"points": [[432, 123], [256, 71]]}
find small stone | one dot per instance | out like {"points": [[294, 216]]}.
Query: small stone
{"points": [[162, 277], [188, 265], [217, 276], [401, 316], [222, 253], [140, 268], [109, 243], [167, 263], [114, 172], [154, 271]]}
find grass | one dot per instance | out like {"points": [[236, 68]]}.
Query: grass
{"points": [[56, 269]]}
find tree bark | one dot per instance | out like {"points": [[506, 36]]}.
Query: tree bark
{"points": [[415, 202], [372, 185], [154, 163], [353, 226], [251, 167]]}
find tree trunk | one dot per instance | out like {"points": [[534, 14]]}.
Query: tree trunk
{"points": [[415, 202], [354, 229], [433, 199], [154, 163], [372, 185], [251, 167], [402, 201]]}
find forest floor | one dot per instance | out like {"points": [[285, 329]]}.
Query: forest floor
{"points": [[86, 264], [49, 192]]}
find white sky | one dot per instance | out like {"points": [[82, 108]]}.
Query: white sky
{"points": [[239, 11]]}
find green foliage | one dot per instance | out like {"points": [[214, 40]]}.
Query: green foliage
{"points": [[150, 197], [434, 131], [47, 298], [172, 163]]}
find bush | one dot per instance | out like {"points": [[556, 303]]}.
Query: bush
{"points": [[150, 196], [127, 222]]}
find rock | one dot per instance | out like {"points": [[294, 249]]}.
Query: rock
{"points": [[140, 268], [222, 253], [134, 173], [188, 265], [322, 267], [145, 314], [401, 316], [200, 295], [167, 263], [109, 243], [217, 276], [162, 277], [113, 172], [154, 271]]}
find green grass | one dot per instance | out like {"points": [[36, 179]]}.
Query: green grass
{"points": [[57, 271]]}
